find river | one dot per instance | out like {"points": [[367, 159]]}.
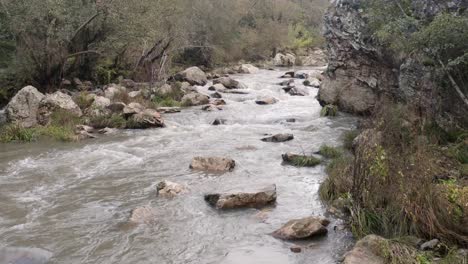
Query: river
{"points": [[74, 199]]}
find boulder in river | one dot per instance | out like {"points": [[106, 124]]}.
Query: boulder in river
{"points": [[312, 82], [192, 75], [213, 164], [57, 101], [266, 100], [301, 75], [296, 91], [218, 102], [170, 189], [19, 255], [367, 250], [288, 83], [289, 74], [148, 118], [211, 107], [278, 138], [23, 107], [168, 110], [255, 199], [301, 160], [217, 87], [219, 121], [143, 215], [228, 82], [132, 109], [116, 107], [193, 99], [216, 95], [248, 68], [304, 228]]}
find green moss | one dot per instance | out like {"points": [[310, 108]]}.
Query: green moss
{"points": [[330, 152], [304, 161], [329, 110]]}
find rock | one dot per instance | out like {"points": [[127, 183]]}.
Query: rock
{"points": [[186, 88], [3, 118], [117, 107], [143, 215], [194, 99], [295, 91], [429, 245], [316, 58], [367, 250], [192, 75], [211, 107], [81, 135], [170, 189], [107, 130], [132, 109], [88, 129], [128, 83], [19, 255], [216, 95], [279, 138], [166, 90], [168, 110], [100, 102], [248, 68], [288, 83], [301, 75], [217, 87], [255, 199], [296, 249], [23, 107], [291, 120], [112, 90], [284, 60], [148, 118], [304, 228], [218, 102], [234, 91], [289, 74], [266, 100], [228, 82], [312, 82], [301, 160], [219, 121], [213, 164], [57, 101], [134, 94], [329, 110]]}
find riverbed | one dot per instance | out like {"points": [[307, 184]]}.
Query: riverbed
{"points": [[75, 199]]}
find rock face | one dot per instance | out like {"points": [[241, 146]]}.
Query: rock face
{"points": [[170, 189], [23, 107], [248, 68], [192, 75], [17, 255], [366, 250], [284, 60], [193, 99], [213, 164], [279, 138], [242, 200], [57, 101], [304, 228]]}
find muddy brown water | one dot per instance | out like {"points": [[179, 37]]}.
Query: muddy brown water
{"points": [[74, 199]]}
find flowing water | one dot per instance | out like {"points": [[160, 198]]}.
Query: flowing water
{"points": [[75, 199]]}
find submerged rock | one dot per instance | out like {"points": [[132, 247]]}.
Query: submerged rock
{"points": [[213, 164], [367, 250], [192, 75], [301, 160], [266, 100], [170, 189], [23, 107], [143, 215], [243, 199], [279, 138], [295, 91], [218, 102], [304, 228], [219, 121], [211, 107], [19, 255]]}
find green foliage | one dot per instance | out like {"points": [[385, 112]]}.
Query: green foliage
{"points": [[329, 110], [165, 102], [110, 121], [330, 152], [304, 161], [348, 138], [17, 133], [84, 101]]}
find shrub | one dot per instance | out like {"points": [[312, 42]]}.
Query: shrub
{"points": [[165, 102], [329, 110], [111, 121], [348, 138], [15, 132], [84, 101], [330, 152]]}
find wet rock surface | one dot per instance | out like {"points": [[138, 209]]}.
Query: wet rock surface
{"points": [[255, 199]]}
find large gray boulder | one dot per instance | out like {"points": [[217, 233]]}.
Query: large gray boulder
{"points": [[193, 99], [229, 83], [367, 250], [254, 199], [113, 90], [170, 189], [19, 255], [248, 68], [284, 59], [57, 101], [213, 164], [304, 228], [192, 75], [23, 107]]}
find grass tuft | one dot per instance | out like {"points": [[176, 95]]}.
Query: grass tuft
{"points": [[330, 152]]}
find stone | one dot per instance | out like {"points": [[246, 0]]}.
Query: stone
{"points": [[234, 91], [211, 107], [218, 102], [194, 99], [213, 164], [278, 138], [296, 91], [192, 75], [113, 90], [288, 83], [57, 101], [300, 160], [21, 255], [228, 82], [216, 95], [166, 90], [81, 135], [429, 245], [23, 107], [217, 87], [100, 102], [169, 110], [296, 249], [117, 107], [170, 189], [219, 121], [317, 57], [134, 94], [301, 75], [266, 100], [132, 109], [366, 250], [289, 74], [284, 60], [312, 82], [248, 68], [107, 130], [304, 228], [147, 118], [86, 128], [256, 199], [291, 120], [143, 215]]}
